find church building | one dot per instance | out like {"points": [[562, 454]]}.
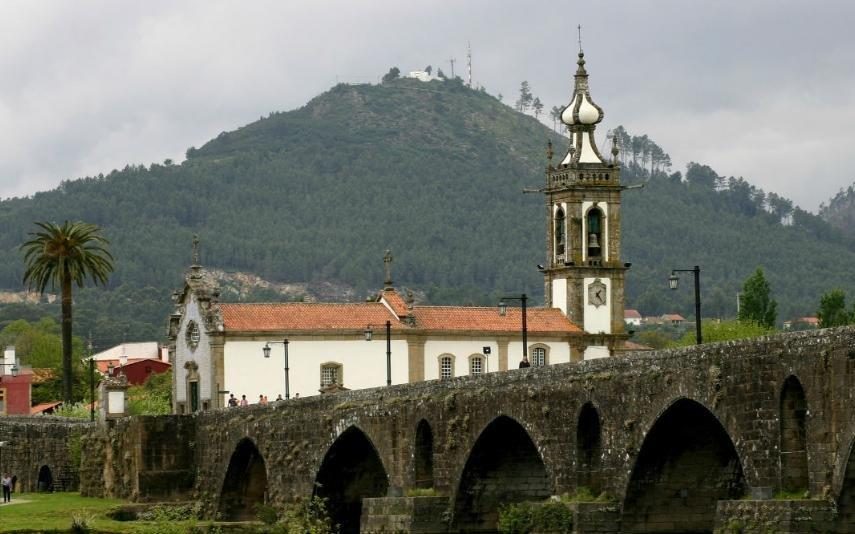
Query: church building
{"points": [[257, 350]]}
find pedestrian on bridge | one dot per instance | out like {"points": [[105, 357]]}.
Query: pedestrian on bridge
{"points": [[7, 487]]}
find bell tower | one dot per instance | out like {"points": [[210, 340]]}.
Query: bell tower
{"points": [[584, 274]]}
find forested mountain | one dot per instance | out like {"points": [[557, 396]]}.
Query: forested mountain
{"points": [[840, 211], [434, 171]]}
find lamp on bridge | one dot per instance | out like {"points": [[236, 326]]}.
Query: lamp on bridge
{"points": [[13, 368], [369, 335], [673, 281], [503, 310], [266, 351]]}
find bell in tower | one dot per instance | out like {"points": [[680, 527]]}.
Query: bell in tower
{"points": [[584, 275]]}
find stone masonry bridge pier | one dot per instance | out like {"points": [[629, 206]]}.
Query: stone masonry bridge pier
{"points": [[687, 440]]}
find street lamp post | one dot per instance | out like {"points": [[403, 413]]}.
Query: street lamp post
{"points": [[369, 335], [673, 281], [91, 382], [503, 309], [266, 351]]}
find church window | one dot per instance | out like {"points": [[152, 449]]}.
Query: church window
{"points": [[538, 356], [193, 334], [595, 232], [476, 365], [330, 374], [559, 232], [446, 366]]}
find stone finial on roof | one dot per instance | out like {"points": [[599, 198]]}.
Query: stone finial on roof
{"points": [[195, 249], [387, 266]]}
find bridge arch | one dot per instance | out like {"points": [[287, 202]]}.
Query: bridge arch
{"points": [[503, 466], [423, 455], [686, 464], [792, 445], [44, 479], [843, 483], [351, 470], [589, 444], [245, 484]]}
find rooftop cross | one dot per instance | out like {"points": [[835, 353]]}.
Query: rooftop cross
{"points": [[579, 27], [387, 265], [195, 249]]}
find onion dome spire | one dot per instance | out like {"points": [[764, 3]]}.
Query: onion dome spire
{"points": [[581, 117]]}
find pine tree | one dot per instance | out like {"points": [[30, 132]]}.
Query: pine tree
{"points": [[832, 310]]}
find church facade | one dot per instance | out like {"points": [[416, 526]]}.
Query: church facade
{"points": [[272, 350]]}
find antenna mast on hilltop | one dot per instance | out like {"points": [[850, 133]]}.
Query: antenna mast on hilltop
{"points": [[469, 62], [452, 60]]}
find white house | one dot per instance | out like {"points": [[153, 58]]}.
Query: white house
{"points": [[632, 317], [217, 349]]}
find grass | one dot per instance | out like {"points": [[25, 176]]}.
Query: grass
{"points": [[54, 511]]}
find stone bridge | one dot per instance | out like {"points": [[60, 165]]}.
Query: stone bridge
{"points": [[754, 435]]}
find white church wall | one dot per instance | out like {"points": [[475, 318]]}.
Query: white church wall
{"points": [[559, 294], [559, 352], [248, 372], [201, 354], [594, 351]]}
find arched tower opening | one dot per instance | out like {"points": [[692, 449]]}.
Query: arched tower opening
{"points": [[503, 467], [424, 455], [686, 465], [793, 446], [350, 472], [595, 233], [245, 485], [560, 232], [588, 449]]}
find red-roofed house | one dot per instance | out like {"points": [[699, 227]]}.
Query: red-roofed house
{"points": [[217, 348], [632, 317]]}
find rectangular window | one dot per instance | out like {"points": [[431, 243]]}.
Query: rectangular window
{"points": [[329, 375], [446, 369], [538, 357], [2, 401], [476, 366]]}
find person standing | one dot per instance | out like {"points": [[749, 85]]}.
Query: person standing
{"points": [[233, 402], [243, 401], [7, 487]]}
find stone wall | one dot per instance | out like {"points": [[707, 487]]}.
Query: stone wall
{"points": [[801, 516], [140, 458], [47, 445]]}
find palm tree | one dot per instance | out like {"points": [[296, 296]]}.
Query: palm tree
{"points": [[61, 255]]}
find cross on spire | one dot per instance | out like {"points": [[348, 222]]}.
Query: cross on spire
{"points": [[387, 266], [195, 249], [579, 27]]}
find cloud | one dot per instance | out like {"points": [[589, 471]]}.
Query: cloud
{"points": [[759, 89]]}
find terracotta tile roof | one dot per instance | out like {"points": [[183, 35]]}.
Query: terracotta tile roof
{"points": [[395, 301], [45, 407], [258, 317], [305, 316], [43, 374], [673, 317], [488, 319], [631, 314]]}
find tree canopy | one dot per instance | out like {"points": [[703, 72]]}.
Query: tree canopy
{"points": [[758, 306]]}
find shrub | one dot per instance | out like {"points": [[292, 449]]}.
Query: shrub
{"points": [[266, 513], [80, 524], [308, 517], [521, 518]]}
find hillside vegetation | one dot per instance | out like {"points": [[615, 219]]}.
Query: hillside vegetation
{"points": [[434, 171]]}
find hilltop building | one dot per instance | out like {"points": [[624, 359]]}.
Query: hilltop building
{"points": [[266, 349]]}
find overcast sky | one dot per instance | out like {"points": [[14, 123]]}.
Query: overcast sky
{"points": [[759, 89]]}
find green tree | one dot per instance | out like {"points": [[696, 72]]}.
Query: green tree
{"points": [[757, 303], [64, 255], [525, 99], [832, 310], [555, 115], [715, 331], [537, 106], [393, 74]]}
